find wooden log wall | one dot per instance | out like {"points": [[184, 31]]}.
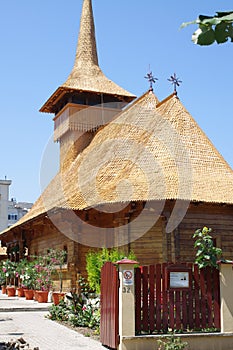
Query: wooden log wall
{"points": [[154, 246], [218, 218]]}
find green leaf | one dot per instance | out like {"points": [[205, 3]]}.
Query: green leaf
{"points": [[225, 16], [210, 21], [221, 33]]}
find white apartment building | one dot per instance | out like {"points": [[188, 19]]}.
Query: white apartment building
{"points": [[10, 210], [16, 210], [4, 201]]}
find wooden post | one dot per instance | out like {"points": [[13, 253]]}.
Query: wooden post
{"points": [[226, 292], [126, 299]]}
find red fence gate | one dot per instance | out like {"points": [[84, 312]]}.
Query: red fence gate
{"points": [[159, 309], [109, 322]]}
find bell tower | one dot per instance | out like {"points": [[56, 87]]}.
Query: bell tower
{"points": [[88, 99]]}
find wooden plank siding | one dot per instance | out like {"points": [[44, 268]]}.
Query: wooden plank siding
{"points": [[219, 218], [152, 247]]}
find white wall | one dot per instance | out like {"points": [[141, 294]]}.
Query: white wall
{"points": [[4, 198]]}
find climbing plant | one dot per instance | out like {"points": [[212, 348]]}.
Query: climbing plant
{"points": [[207, 254]]}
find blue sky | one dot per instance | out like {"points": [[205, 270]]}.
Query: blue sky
{"points": [[38, 42]]}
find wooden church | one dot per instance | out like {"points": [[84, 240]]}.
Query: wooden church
{"points": [[138, 174]]}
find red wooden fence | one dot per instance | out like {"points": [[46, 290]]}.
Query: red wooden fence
{"points": [[159, 309], [109, 306]]}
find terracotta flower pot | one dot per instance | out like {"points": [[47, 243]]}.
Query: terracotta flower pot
{"points": [[4, 289], [10, 291], [20, 292], [35, 295], [42, 296], [28, 294], [57, 297]]}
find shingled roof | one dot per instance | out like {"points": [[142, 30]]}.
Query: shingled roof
{"points": [[151, 151], [86, 75]]}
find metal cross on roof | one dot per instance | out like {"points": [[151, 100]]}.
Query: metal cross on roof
{"points": [[175, 81], [151, 79]]}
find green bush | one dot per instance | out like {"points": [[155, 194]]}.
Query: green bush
{"points": [[76, 312], [171, 343], [95, 261]]}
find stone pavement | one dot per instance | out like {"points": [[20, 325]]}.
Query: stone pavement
{"points": [[26, 318]]}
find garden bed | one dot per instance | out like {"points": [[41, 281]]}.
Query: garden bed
{"points": [[87, 332]]}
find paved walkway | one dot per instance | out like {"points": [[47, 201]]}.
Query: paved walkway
{"points": [[26, 318]]}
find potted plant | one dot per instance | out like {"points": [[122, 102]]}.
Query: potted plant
{"points": [[28, 280], [8, 269], [20, 271], [58, 258], [2, 280], [44, 269]]}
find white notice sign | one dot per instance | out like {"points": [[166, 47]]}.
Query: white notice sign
{"points": [[179, 279]]}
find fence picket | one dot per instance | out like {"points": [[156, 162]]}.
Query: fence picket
{"points": [[158, 296], [191, 298], [209, 298], [164, 305], [171, 310], [177, 310], [216, 303], [138, 300], [145, 310], [152, 311], [203, 298], [184, 305], [196, 276]]}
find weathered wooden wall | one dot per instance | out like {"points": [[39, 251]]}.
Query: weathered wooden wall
{"points": [[218, 218], [150, 246]]}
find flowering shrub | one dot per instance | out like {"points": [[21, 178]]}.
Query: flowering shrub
{"points": [[28, 276], [34, 274], [76, 312], [43, 280], [20, 270], [8, 269], [58, 258]]}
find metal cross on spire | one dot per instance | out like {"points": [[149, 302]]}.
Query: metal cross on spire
{"points": [[151, 79], [175, 81]]}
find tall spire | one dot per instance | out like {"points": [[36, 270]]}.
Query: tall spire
{"points": [[86, 75], [86, 50]]}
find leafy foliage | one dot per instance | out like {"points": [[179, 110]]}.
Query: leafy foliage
{"points": [[218, 28], [2, 275], [171, 343], [207, 254], [76, 312], [95, 261]]}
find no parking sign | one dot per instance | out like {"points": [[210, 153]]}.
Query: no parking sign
{"points": [[128, 277]]}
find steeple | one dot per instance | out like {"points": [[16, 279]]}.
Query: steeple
{"points": [[86, 76], [86, 53]]}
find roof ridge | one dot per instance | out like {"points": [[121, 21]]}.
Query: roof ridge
{"points": [[167, 98]]}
